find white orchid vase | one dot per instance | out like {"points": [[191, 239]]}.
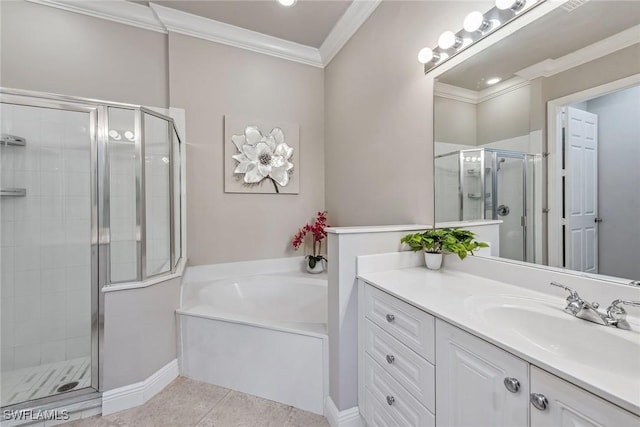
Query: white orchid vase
{"points": [[263, 157]]}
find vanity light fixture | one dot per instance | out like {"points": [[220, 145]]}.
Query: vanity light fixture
{"points": [[475, 22], [511, 4], [476, 26], [449, 40], [493, 80], [427, 55], [288, 3]]}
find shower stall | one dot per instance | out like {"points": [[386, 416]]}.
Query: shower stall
{"points": [[90, 197], [487, 183]]}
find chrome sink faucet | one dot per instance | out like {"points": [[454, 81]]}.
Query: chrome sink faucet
{"points": [[615, 315]]}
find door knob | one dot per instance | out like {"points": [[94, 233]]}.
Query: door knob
{"points": [[539, 401], [512, 384], [390, 358], [597, 220], [390, 400], [390, 318]]}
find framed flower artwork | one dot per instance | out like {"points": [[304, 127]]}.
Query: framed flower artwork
{"points": [[261, 156]]}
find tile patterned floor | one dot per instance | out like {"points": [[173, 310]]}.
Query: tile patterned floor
{"points": [[43, 380], [189, 403]]}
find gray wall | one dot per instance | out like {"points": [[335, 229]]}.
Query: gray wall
{"points": [[618, 178], [504, 117], [455, 122], [618, 65], [41, 51], [211, 80], [139, 332]]}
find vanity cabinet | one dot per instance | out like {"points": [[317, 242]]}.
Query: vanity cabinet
{"points": [[477, 382], [568, 405], [397, 355], [408, 357]]}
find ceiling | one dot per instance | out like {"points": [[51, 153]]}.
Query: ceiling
{"points": [[308, 22], [550, 37]]}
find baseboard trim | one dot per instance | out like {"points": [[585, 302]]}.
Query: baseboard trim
{"points": [[133, 395], [347, 418]]}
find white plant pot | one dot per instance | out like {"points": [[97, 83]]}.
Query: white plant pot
{"points": [[433, 261], [319, 267]]}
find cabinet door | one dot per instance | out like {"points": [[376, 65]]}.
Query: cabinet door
{"points": [[568, 405], [470, 389]]}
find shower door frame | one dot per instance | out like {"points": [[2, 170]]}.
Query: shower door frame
{"points": [[40, 100], [494, 153], [100, 223]]}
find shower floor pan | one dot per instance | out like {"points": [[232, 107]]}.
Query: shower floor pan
{"points": [[44, 380]]}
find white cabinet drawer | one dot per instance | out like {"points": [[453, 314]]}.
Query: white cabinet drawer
{"points": [[403, 407], [411, 326], [376, 413], [410, 370]]}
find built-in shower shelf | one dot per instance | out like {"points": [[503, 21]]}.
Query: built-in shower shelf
{"points": [[477, 196], [7, 139], [13, 192]]}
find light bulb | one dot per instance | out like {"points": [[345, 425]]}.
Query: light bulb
{"points": [[473, 21], [427, 55], [493, 80], [447, 40], [113, 134], [510, 4], [129, 135], [287, 3]]}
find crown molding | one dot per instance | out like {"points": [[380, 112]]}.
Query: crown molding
{"points": [[208, 29], [120, 11], [469, 96], [456, 93], [163, 19], [355, 15], [550, 67]]}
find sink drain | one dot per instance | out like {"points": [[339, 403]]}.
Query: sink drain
{"points": [[67, 387]]}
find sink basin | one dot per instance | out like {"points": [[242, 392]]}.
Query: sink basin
{"points": [[549, 329]]}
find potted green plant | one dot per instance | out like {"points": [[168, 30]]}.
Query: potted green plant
{"points": [[436, 242]]}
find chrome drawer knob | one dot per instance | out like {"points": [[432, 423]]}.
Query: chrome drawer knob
{"points": [[512, 384], [390, 400], [390, 358], [539, 401], [390, 318]]}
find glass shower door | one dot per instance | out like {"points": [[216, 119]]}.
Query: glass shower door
{"points": [[48, 234], [510, 205]]}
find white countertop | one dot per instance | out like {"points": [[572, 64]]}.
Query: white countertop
{"points": [[454, 297]]}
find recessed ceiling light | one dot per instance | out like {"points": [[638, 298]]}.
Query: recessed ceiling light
{"points": [[493, 80], [287, 2]]}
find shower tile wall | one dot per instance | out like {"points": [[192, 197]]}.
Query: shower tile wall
{"points": [[45, 290]]}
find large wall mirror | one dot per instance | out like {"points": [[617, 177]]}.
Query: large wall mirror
{"points": [[541, 129]]}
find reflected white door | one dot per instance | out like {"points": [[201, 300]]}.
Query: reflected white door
{"points": [[581, 190]]}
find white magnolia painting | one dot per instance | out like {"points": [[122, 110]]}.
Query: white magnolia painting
{"points": [[261, 157]]}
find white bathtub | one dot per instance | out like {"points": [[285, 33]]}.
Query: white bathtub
{"points": [[264, 334], [289, 302]]}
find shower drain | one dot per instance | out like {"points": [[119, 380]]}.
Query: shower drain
{"points": [[67, 387]]}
